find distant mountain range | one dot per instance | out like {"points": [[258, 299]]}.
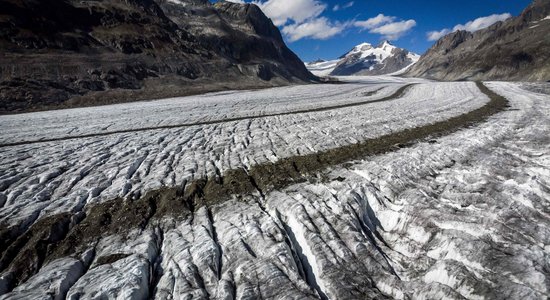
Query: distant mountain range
{"points": [[366, 59], [65, 53], [516, 49]]}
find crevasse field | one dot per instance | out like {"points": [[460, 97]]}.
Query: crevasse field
{"points": [[460, 215]]}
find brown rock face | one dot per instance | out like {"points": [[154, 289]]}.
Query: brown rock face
{"points": [[66, 53], [516, 49]]}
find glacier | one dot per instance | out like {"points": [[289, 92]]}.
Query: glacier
{"points": [[461, 215]]}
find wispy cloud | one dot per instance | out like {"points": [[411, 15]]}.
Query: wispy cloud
{"points": [[282, 12], [395, 30], [387, 26], [472, 26], [483, 22], [338, 7], [374, 22], [436, 35], [317, 28], [301, 19]]}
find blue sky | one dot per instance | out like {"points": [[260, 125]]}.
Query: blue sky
{"points": [[329, 28]]}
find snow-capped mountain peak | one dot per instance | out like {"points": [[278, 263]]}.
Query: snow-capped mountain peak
{"points": [[360, 48], [366, 59], [386, 46], [381, 52]]}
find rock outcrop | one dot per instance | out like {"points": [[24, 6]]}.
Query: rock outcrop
{"points": [[516, 49], [57, 54]]}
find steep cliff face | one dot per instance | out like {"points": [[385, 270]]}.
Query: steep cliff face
{"points": [[516, 49], [240, 33], [72, 53]]}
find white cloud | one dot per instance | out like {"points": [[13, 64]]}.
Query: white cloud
{"points": [[387, 26], [481, 23], [298, 11], [338, 7], [374, 22], [436, 35], [301, 19], [317, 28], [475, 25], [395, 30]]}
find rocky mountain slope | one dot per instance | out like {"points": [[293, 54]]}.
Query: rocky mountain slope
{"points": [[365, 59], [67, 53], [516, 49]]}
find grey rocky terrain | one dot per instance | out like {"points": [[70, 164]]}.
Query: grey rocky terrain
{"points": [[66, 53], [516, 49]]}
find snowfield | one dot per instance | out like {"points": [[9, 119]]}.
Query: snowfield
{"points": [[466, 215]]}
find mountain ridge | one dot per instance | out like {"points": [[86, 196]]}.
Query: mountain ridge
{"points": [[69, 53], [515, 49]]}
